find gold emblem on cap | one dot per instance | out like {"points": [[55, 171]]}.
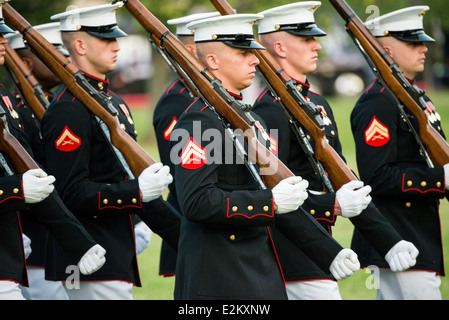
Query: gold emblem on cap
{"points": [[422, 13], [214, 37]]}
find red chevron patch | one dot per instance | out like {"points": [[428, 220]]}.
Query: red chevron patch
{"points": [[67, 141], [377, 134], [193, 156]]}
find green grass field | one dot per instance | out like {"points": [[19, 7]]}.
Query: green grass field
{"points": [[356, 287]]}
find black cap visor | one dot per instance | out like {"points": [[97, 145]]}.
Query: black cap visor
{"points": [[108, 32], [4, 28], [411, 36], [62, 50], [303, 29], [241, 41]]}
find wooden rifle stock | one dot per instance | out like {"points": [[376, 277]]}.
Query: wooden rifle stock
{"points": [[203, 80], [437, 147], [11, 148], [337, 170], [135, 156], [26, 80]]}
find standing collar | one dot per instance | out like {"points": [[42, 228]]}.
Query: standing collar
{"points": [[236, 96], [97, 83], [302, 86]]}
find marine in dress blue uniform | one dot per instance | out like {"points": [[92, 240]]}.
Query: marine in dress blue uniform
{"points": [[226, 249], [46, 207], [304, 279], [405, 189], [39, 288], [92, 181], [173, 102]]}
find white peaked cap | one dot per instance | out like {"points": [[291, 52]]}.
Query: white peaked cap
{"points": [[297, 18], [99, 21], [181, 23], [235, 30], [405, 24], [15, 40], [50, 31]]}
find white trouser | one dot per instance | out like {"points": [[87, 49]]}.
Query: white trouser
{"points": [[100, 290], [41, 289], [313, 290], [406, 285], [10, 290]]}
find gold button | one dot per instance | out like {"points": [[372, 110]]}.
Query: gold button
{"points": [[308, 137], [266, 208], [409, 183], [95, 217], [438, 184], [386, 33], [327, 213], [105, 201], [277, 27], [119, 201], [135, 132], [122, 126], [134, 200], [250, 208], [408, 204], [312, 211], [15, 190], [214, 37], [1, 192], [232, 237], [333, 132], [234, 208], [423, 184]]}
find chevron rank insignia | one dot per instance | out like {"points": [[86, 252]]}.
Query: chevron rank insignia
{"points": [[377, 134], [273, 145], [67, 141], [169, 129], [193, 156]]}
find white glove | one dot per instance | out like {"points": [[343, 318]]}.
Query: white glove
{"points": [[290, 193], [345, 264], [353, 198], [37, 185], [26, 245], [402, 256], [92, 260], [142, 234], [446, 175], [153, 181]]}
